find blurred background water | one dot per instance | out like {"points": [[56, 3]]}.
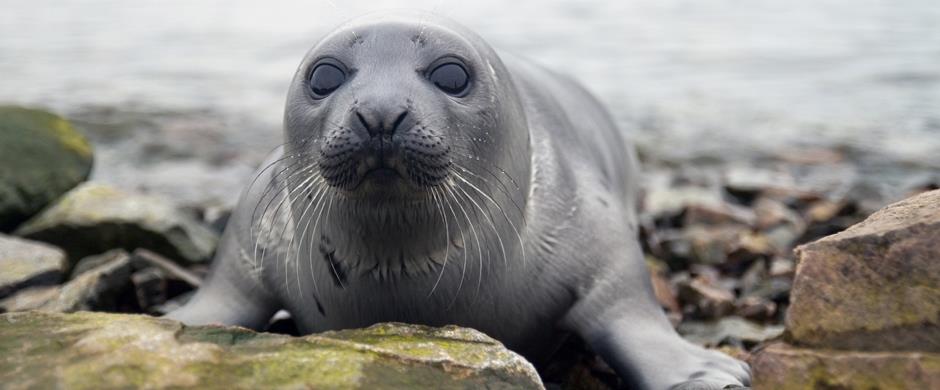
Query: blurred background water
{"points": [[184, 97]]}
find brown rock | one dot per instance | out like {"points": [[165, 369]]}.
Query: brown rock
{"points": [[780, 366], [708, 299], [663, 290], [875, 286], [755, 308]]}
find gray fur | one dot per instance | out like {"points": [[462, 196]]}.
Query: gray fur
{"points": [[531, 233]]}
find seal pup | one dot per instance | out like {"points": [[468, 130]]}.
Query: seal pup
{"points": [[425, 179]]}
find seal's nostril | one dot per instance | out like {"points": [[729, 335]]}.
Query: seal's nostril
{"points": [[365, 123], [398, 121]]}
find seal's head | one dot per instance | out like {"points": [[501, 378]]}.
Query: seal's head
{"points": [[394, 105]]}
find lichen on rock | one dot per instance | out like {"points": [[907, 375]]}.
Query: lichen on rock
{"points": [[97, 350], [873, 286], [41, 157]]}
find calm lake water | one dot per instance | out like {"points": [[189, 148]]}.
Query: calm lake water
{"points": [[184, 97]]}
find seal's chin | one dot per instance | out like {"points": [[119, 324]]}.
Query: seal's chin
{"points": [[384, 182]]}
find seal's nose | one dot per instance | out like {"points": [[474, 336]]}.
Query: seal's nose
{"points": [[381, 122]]}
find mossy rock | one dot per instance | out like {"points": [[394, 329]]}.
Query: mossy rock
{"points": [[94, 218], [41, 157], [781, 366], [96, 350], [874, 286]]}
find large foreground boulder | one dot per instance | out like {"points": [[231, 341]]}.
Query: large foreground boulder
{"points": [[874, 286], [96, 350], [865, 307], [93, 218], [41, 157]]}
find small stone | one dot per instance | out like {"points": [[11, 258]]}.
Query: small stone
{"points": [[734, 331], [96, 289], [771, 212], [782, 267], [825, 210], [143, 258], [755, 308], [780, 366], [707, 299], [711, 245], [661, 287], [29, 299], [25, 263], [150, 287], [873, 286], [91, 262], [746, 183], [666, 202], [717, 214], [94, 218]]}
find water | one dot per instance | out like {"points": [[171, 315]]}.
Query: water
{"points": [[184, 97]]}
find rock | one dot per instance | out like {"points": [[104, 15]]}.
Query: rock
{"points": [[94, 218], [29, 299], [91, 262], [96, 289], [143, 258], [41, 157], [664, 202], [711, 245], [717, 214], [755, 308], [734, 331], [779, 366], [97, 350], [875, 286], [26, 263], [150, 288], [708, 299]]}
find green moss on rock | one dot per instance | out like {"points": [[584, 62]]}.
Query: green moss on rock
{"points": [[783, 367], [41, 157], [874, 286], [97, 350]]}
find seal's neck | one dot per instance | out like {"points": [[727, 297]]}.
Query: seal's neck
{"points": [[385, 239]]}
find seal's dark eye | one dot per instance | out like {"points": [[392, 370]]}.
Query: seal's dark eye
{"points": [[325, 79], [451, 78]]}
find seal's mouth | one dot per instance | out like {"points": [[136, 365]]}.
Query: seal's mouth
{"points": [[386, 166]]}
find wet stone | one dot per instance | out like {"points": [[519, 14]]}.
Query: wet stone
{"points": [[25, 263], [94, 218]]}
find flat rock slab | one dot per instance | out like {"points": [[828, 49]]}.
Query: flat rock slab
{"points": [[94, 218], [41, 157], [25, 263], [874, 286], [780, 366], [97, 350]]}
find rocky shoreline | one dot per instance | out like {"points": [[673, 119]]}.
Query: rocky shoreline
{"points": [[855, 305]]}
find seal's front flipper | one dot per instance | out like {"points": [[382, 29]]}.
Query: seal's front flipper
{"points": [[228, 296], [619, 318], [214, 304]]}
